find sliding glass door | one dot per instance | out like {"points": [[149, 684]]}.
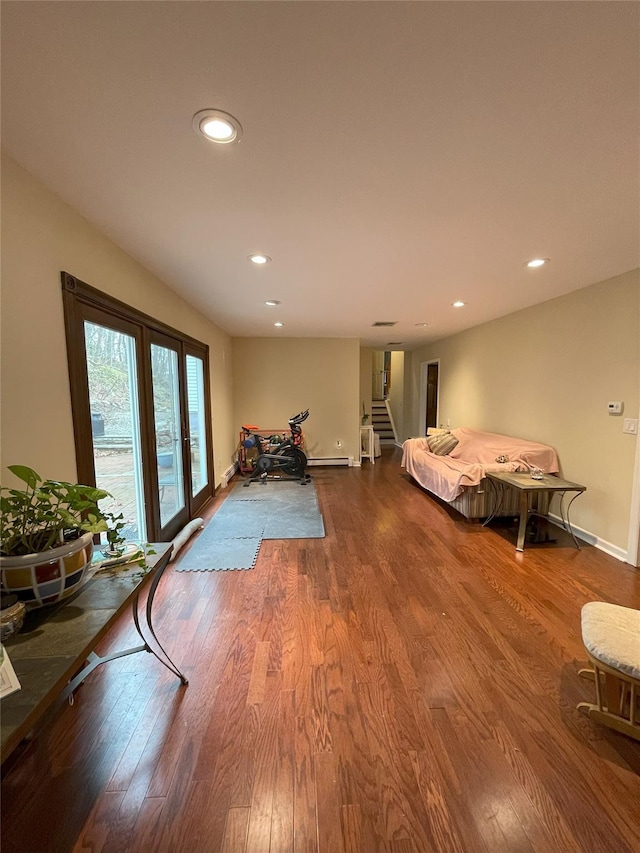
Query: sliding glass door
{"points": [[167, 430], [198, 446], [141, 417], [114, 408], [179, 428]]}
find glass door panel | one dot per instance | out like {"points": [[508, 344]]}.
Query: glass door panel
{"points": [[168, 433], [115, 423], [197, 423]]}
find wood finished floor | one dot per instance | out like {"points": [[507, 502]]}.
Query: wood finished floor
{"points": [[407, 684]]}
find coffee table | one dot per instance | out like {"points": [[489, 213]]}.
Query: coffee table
{"points": [[54, 651], [524, 483]]}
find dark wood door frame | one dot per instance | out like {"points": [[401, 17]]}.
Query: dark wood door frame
{"points": [[82, 302]]}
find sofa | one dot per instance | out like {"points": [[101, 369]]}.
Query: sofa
{"points": [[452, 465]]}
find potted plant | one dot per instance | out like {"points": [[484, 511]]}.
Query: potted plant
{"points": [[46, 536]]}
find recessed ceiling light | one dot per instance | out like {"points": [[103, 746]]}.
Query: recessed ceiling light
{"points": [[278, 324], [537, 262], [421, 324], [458, 304], [217, 126], [272, 302], [259, 259]]}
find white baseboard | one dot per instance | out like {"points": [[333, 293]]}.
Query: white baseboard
{"points": [[592, 539]]}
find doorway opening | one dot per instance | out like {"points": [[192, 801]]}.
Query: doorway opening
{"points": [[429, 395]]}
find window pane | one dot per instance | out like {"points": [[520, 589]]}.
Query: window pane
{"points": [[197, 432], [115, 423], [166, 413]]}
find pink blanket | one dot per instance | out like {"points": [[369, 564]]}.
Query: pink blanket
{"points": [[474, 455]]}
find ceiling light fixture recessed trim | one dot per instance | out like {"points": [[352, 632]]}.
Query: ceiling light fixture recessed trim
{"points": [[217, 126], [259, 259], [272, 302], [279, 325], [421, 324], [536, 262], [458, 303]]}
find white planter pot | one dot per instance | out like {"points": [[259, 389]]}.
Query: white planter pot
{"points": [[50, 576]]}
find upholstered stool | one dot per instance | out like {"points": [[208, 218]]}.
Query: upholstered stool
{"points": [[611, 636]]}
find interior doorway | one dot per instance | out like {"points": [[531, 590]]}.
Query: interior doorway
{"points": [[429, 394], [381, 375]]}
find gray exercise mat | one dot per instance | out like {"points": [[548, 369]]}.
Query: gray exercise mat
{"points": [[289, 510], [212, 554], [273, 510]]}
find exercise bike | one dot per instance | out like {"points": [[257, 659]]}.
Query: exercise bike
{"points": [[287, 459]]}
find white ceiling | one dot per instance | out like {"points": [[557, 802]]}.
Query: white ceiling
{"points": [[396, 155]]}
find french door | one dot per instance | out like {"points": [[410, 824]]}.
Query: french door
{"points": [[180, 432], [141, 417]]}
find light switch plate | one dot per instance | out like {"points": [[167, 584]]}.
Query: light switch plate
{"points": [[630, 426]]}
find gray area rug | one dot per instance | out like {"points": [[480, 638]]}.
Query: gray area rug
{"points": [[274, 509]]}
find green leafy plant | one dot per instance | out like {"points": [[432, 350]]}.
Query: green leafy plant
{"points": [[46, 513], [113, 534]]}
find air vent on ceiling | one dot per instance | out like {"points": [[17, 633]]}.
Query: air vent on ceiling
{"points": [[384, 323], [394, 343]]}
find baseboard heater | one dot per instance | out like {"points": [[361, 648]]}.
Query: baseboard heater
{"points": [[330, 460], [228, 474]]}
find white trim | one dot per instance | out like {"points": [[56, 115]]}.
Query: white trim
{"points": [[601, 544], [633, 548], [391, 421], [423, 396]]}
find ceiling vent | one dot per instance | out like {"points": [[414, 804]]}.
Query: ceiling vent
{"points": [[395, 343], [384, 323]]}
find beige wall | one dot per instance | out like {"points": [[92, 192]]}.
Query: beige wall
{"points": [[40, 237], [276, 378], [547, 373]]}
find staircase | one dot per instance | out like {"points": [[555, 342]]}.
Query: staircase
{"points": [[382, 423]]}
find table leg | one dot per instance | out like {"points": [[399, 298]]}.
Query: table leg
{"points": [[497, 495], [94, 660], [524, 518], [564, 516], [167, 660]]}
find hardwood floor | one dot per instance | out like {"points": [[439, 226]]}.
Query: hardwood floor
{"points": [[407, 684]]}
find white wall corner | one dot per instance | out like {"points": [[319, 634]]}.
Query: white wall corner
{"points": [[633, 548]]}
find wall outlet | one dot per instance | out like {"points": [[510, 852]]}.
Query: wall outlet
{"points": [[339, 444], [630, 426], [615, 408]]}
